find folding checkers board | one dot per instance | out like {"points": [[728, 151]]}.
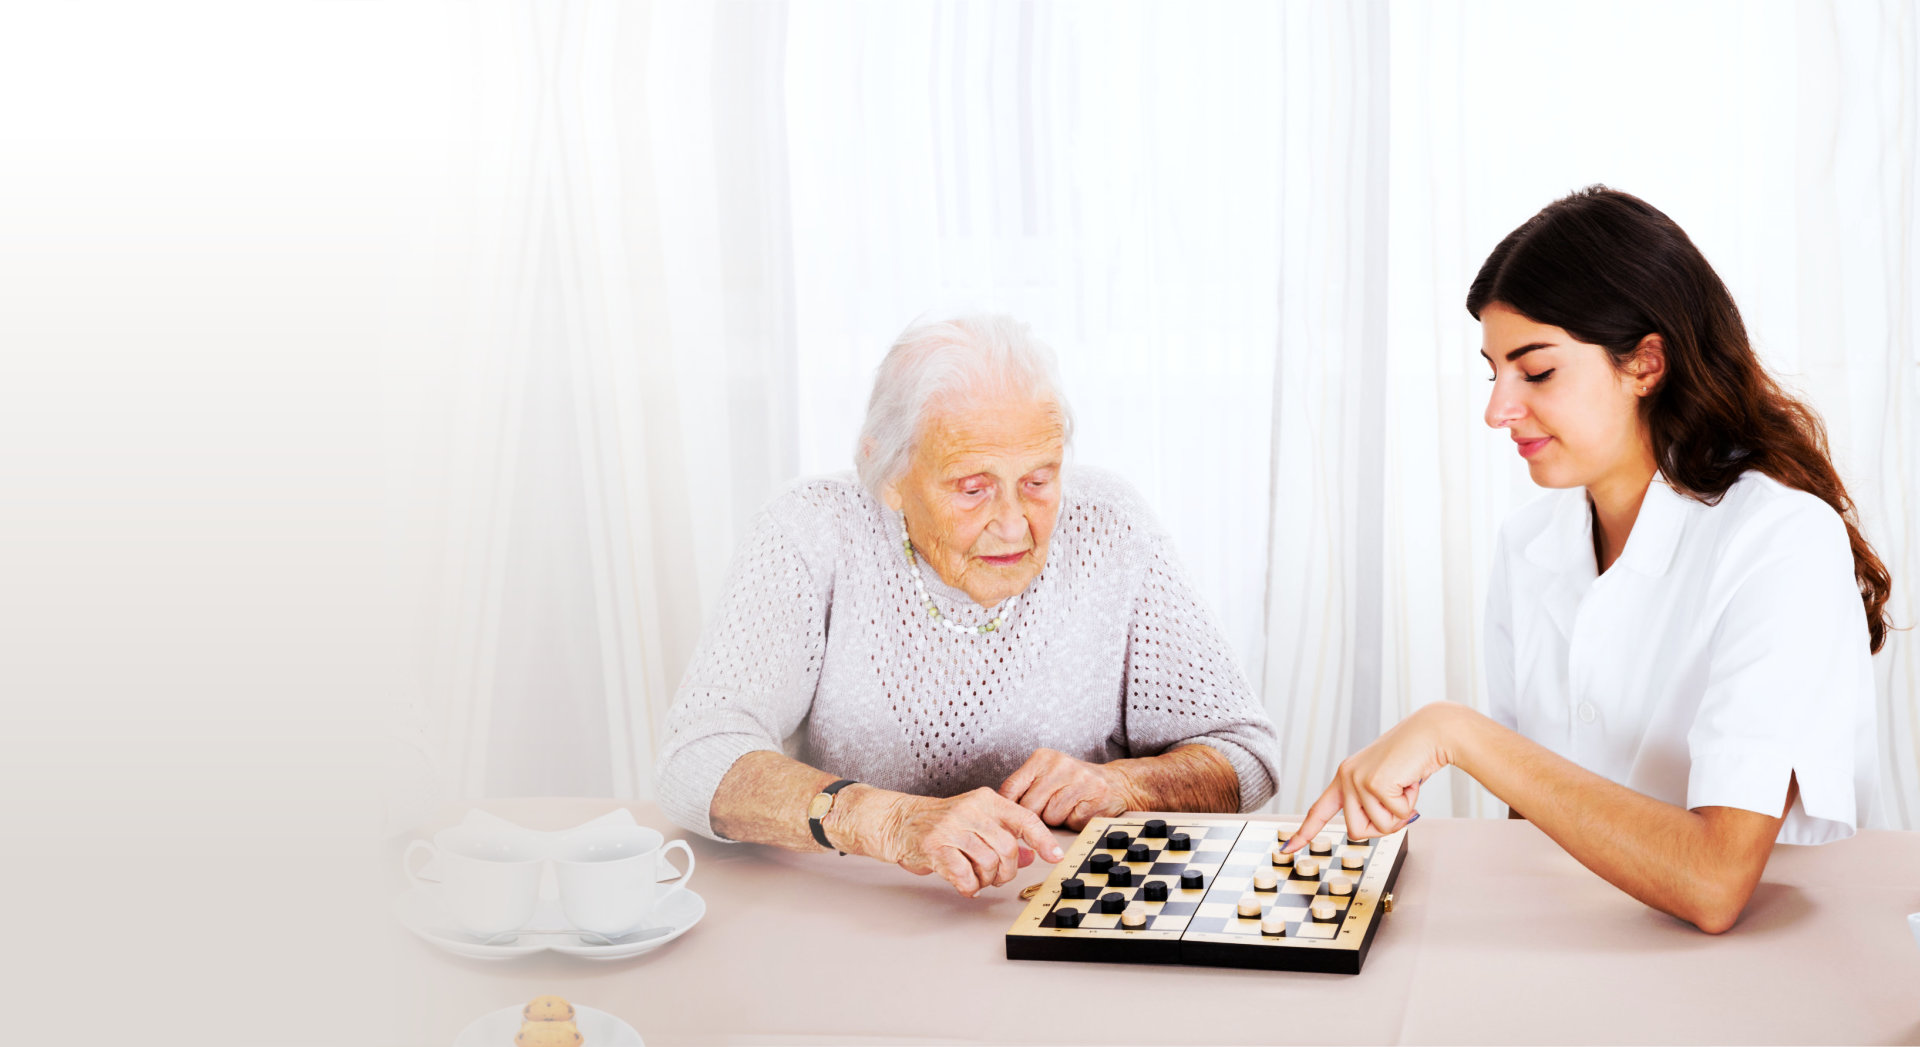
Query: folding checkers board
{"points": [[1204, 927]]}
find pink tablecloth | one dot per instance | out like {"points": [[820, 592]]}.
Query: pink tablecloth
{"points": [[1497, 937]]}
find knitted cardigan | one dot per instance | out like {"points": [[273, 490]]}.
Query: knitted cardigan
{"points": [[820, 647]]}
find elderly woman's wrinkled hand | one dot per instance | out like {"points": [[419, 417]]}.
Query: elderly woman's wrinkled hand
{"points": [[974, 841], [1066, 791]]}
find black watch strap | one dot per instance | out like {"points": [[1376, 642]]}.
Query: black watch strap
{"points": [[813, 822]]}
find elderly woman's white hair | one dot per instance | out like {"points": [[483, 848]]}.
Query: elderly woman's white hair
{"points": [[943, 364]]}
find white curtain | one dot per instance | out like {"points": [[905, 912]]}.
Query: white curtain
{"points": [[1780, 135], [1246, 227]]}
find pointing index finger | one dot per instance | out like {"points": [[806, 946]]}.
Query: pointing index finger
{"points": [[1317, 816]]}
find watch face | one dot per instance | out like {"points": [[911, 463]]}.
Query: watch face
{"points": [[820, 805]]}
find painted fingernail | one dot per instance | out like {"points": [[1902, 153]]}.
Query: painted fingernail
{"points": [[1415, 818]]}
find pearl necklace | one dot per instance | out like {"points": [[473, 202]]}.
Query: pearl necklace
{"points": [[995, 624]]}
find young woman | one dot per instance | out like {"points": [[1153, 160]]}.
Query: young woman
{"points": [[1679, 635]]}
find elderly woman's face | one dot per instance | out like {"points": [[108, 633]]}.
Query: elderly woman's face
{"points": [[981, 495]]}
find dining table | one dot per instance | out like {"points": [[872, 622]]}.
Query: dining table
{"points": [[1497, 935]]}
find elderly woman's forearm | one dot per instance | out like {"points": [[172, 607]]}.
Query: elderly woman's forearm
{"points": [[1188, 778], [763, 799]]}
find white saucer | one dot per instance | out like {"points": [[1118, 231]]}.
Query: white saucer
{"points": [[675, 916], [422, 911], [597, 1028]]}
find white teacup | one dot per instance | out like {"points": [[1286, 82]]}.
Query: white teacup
{"points": [[489, 881], [609, 877]]}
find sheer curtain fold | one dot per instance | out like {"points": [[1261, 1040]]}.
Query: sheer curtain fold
{"points": [[633, 397], [1246, 228], [1858, 276], [1321, 660]]}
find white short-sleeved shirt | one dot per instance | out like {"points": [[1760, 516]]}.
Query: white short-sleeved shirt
{"points": [[1725, 650]]}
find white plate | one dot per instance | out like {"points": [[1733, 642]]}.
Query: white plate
{"points": [[422, 911], [597, 1028]]}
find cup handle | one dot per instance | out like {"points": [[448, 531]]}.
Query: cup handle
{"points": [[406, 863], [681, 883]]}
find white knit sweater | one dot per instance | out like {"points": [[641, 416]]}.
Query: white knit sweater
{"points": [[820, 648]]}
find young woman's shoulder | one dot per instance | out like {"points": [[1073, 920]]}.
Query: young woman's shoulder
{"points": [[1760, 511]]}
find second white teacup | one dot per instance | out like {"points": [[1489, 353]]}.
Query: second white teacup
{"points": [[610, 877], [490, 882]]}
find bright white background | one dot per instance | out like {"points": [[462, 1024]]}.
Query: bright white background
{"points": [[383, 387], [1246, 228]]}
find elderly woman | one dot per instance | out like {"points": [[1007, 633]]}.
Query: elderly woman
{"points": [[970, 643]]}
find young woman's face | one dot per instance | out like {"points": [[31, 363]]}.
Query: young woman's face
{"points": [[1574, 417]]}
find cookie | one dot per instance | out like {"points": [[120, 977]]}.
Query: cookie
{"points": [[547, 1009], [548, 1034]]}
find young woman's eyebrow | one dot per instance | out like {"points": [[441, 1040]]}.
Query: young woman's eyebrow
{"points": [[1520, 352]]}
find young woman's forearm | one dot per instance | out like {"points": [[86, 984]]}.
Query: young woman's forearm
{"points": [[1700, 866]]}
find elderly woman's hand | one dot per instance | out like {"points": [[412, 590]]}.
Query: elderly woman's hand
{"points": [[1066, 791], [974, 841]]}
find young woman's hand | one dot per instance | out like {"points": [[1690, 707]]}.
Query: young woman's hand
{"points": [[1378, 786]]}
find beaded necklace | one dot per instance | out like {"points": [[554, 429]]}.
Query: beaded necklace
{"points": [[994, 624]]}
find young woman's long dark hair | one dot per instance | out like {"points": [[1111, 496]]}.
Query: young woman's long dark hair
{"points": [[1609, 269]]}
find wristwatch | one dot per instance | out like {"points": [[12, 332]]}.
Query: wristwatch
{"points": [[818, 808]]}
